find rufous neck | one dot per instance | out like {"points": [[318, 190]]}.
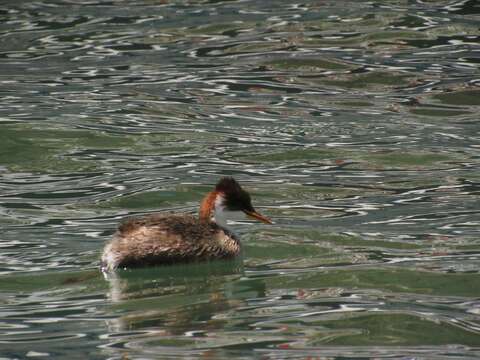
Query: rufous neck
{"points": [[207, 206]]}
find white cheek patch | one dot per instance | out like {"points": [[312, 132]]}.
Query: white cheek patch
{"points": [[222, 215]]}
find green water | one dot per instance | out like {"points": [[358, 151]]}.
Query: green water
{"points": [[354, 125]]}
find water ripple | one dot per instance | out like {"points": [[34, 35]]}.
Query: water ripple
{"points": [[354, 127]]}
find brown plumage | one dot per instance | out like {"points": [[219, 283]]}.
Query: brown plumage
{"points": [[166, 238]]}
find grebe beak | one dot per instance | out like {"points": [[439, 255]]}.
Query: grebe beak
{"points": [[258, 216]]}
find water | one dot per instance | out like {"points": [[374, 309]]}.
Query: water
{"points": [[354, 125]]}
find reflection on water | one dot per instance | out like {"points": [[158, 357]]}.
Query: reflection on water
{"points": [[355, 128]]}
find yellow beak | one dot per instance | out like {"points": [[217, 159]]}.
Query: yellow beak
{"points": [[257, 216]]}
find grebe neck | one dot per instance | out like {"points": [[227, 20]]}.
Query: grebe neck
{"points": [[212, 209], [207, 207]]}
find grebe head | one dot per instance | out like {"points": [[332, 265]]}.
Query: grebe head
{"points": [[229, 196]]}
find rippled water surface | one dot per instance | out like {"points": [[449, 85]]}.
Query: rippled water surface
{"points": [[355, 126]]}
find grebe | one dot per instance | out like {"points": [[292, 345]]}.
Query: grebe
{"points": [[166, 238]]}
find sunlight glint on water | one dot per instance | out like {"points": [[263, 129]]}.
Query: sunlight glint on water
{"points": [[354, 126]]}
